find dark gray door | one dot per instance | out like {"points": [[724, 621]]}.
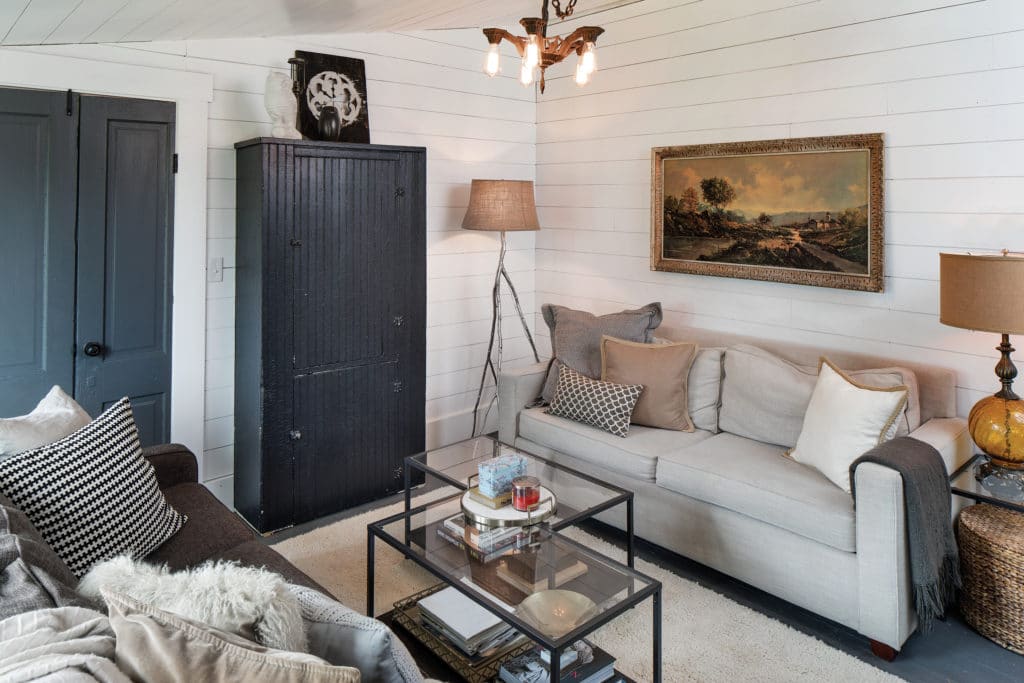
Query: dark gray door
{"points": [[123, 312], [37, 247]]}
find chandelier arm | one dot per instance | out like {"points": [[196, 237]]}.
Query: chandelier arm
{"points": [[496, 35]]}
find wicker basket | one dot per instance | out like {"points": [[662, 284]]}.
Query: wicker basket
{"points": [[992, 564]]}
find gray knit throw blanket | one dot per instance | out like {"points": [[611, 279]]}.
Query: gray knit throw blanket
{"points": [[934, 560]]}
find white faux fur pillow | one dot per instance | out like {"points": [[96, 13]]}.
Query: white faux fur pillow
{"points": [[249, 602], [843, 421], [53, 418]]}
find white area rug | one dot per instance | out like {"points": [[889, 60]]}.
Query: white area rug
{"points": [[706, 637]]}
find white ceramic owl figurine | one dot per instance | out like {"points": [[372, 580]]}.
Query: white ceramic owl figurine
{"points": [[280, 103]]}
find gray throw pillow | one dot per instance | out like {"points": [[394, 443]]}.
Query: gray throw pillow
{"points": [[576, 337]]}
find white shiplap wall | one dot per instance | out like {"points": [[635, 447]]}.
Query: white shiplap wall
{"points": [[942, 79], [425, 89]]}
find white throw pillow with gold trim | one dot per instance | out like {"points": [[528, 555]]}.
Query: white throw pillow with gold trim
{"points": [[844, 420]]}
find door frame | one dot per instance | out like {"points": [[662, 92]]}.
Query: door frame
{"points": [[191, 92]]}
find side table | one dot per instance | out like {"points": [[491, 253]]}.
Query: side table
{"points": [[991, 542]]}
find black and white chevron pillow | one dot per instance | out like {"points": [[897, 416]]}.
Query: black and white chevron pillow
{"points": [[605, 405], [92, 495]]}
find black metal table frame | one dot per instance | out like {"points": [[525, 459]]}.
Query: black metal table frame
{"points": [[623, 495], [980, 497], [555, 646]]}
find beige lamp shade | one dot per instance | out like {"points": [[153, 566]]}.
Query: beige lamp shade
{"points": [[501, 205], [982, 292]]}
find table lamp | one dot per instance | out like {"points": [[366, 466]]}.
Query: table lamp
{"points": [[500, 206], [986, 292]]}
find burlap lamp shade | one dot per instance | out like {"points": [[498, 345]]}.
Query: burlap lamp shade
{"points": [[501, 205], [986, 292]]}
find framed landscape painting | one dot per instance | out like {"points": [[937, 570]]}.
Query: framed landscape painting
{"points": [[805, 210]]}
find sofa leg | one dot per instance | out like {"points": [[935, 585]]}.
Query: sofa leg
{"points": [[883, 651]]}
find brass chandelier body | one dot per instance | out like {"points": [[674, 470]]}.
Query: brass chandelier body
{"points": [[538, 51]]}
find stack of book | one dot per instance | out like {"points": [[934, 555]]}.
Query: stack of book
{"points": [[466, 625], [584, 663], [483, 546]]}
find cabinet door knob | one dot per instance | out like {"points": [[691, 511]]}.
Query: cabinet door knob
{"points": [[92, 349], [398, 320], [295, 435]]}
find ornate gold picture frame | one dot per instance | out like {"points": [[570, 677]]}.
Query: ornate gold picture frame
{"points": [[805, 211]]}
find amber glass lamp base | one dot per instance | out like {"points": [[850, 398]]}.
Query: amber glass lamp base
{"points": [[997, 427]]}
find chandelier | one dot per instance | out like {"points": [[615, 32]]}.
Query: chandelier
{"points": [[538, 51]]}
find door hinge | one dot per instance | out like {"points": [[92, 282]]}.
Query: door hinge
{"points": [[70, 103], [174, 164]]}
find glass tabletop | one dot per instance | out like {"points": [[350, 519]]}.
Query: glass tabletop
{"points": [[548, 586], [980, 481], [578, 495]]}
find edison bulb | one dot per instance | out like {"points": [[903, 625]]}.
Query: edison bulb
{"points": [[582, 77], [588, 60], [532, 55], [526, 74], [492, 64]]}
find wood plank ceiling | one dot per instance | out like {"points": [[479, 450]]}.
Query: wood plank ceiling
{"points": [[34, 22]]}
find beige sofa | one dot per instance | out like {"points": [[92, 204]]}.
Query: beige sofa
{"points": [[742, 507]]}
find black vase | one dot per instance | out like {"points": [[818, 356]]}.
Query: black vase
{"points": [[329, 125]]}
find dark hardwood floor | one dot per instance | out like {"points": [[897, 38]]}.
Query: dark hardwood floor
{"points": [[952, 651]]}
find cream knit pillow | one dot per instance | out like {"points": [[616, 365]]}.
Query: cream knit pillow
{"points": [[843, 421]]}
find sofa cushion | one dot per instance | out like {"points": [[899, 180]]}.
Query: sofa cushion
{"points": [[256, 553], [211, 528], [704, 389], [765, 397], [634, 456], [576, 337], [758, 480]]}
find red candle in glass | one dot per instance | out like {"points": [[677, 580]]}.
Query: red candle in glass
{"points": [[525, 493]]}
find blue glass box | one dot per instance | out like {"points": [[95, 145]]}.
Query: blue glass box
{"points": [[496, 474]]}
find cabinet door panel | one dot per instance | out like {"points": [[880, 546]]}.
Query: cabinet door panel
{"points": [[342, 261], [37, 247], [347, 423]]}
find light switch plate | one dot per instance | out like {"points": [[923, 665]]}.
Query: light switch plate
{"points": [[215, 272]]}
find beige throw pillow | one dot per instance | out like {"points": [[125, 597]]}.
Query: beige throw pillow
{"points": [[662, 369], [160, 647], [844, 420]]}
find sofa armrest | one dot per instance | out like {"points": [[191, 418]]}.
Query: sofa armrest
{"points": [[886, 595], [174, 464], [950, 437], [886, 601], [516, 388]]}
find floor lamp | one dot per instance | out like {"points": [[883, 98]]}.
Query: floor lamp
{"points": [[500, 206]]}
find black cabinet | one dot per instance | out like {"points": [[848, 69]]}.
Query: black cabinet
{"points": [[330, 325]]}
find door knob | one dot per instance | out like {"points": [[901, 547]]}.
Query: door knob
{"points": [[92, 348]]}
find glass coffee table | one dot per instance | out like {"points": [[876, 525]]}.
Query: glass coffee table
{"points": [[554, 561]]}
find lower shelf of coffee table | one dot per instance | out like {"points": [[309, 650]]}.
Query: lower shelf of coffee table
{"points": [[431, 664]]}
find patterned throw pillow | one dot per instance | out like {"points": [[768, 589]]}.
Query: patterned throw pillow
{"points": [[604, 405], [92, 495]]}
